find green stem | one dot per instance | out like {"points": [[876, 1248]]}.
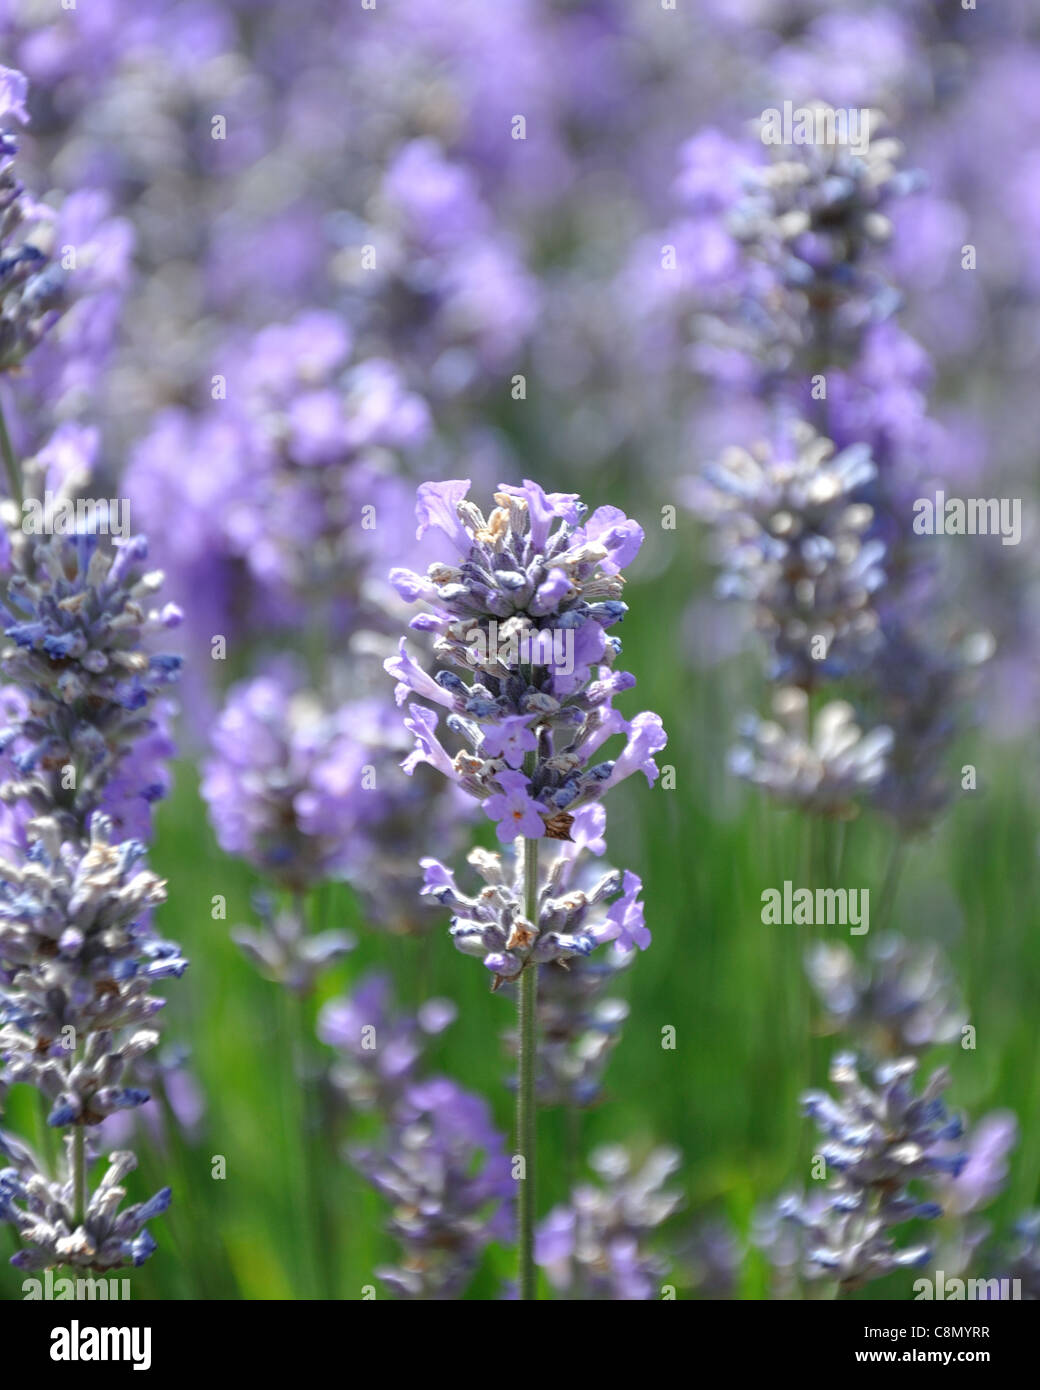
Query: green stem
{"points": [[211, 1268], [890, 886], [293, 1126], [14, 473], [525, 1089], [303, 1120], [79, 1175]]}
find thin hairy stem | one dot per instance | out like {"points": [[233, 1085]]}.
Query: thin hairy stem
{"points": [[527, 997], [79, 1175]]}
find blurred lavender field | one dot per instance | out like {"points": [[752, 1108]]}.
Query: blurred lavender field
{"points": [[273, 276]]}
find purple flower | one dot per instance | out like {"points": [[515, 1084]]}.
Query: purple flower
{"points": [[574, 905], [437, 506], [512, 740], [307, 789], [379, 1052], [521, 615], [620, 537], [985, 1170], [516, 812], [443, 1167], [646, 736], [625, 916], [14, 89], [428, 748]]}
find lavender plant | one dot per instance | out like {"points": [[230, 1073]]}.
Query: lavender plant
{"points": [[599, 1245], [813, 528], [444, 1167], [79, 956], [878, 1140], [812, 531], [898, 1003], [523, 608], [437, 1159], [308, 790]]}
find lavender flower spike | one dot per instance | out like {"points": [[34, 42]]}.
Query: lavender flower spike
{"points": [[521, 610], [877, 1141], [31, 284], [445, 1169], [43, 1213], [79, 957], [597, 1247]]}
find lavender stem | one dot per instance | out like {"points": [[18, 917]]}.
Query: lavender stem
{"points": [[79, 1175], [527, 997]]}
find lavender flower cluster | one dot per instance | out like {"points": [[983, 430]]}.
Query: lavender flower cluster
{"points": [[877, 1141], [31, 285], [79, 955], [599, 1246], [525, 612], [889, 1154], [813, 525], [439, 1160]]}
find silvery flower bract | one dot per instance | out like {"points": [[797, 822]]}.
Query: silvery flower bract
{"points": [[76, 618], [878, 1140], [902, 1000], [598, 1246], [110, 1237], [78, 962], [577, 910]]}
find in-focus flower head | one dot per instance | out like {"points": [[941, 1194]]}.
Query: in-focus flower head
{"points": [[42, 1212], [78, 963], [577, 910], [523, 605]]}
